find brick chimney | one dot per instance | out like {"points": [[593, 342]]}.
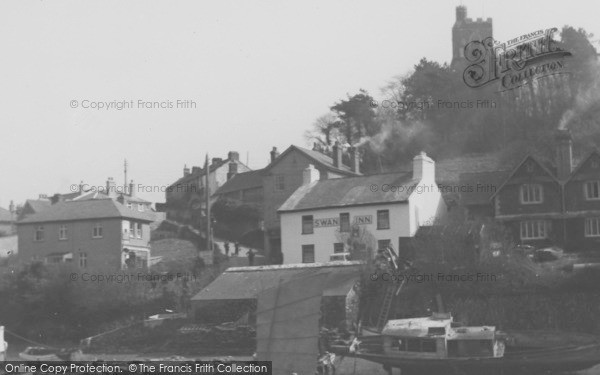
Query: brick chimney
{"points": [[423, 168], [233, 156], [274, 154], [131, 189], [354, 159], [564, 154], [111, 187], [186, 170], [216, 161], [337, 155], [310, 174], [233, 170]]}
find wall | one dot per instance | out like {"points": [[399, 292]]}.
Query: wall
{"points": [[102, 252], [324, 237]]}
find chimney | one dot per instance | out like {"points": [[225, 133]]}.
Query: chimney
{"points": [[216, 161], [564, 154], [461, 12], [196, 170], [11, 207], [310, 174], [354, 159], [337, 155], [81, 184], [423, 168], [131, 189], [274, 154], [186, 170], [233, 156], [233, 170], [111, 187]]}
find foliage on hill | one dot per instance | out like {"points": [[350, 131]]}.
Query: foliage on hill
{"points": [[433, 110]]}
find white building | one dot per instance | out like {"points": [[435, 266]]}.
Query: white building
{"points": [[322, 216]]}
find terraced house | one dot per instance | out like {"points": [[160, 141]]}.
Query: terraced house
{"points": [[96, 233], [548, 203]]}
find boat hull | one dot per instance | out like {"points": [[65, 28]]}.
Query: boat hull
{"points": [[526, 362]]}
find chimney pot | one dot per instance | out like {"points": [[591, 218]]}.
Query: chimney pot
{"points": [[131, 189], [354, 159], [564, 154], [337, 155], [423, 168], [274, 154], [186, 170]]}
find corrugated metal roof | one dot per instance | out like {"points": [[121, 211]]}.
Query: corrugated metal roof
{"points": [[350, 191], [86, 209], [247, 282]]}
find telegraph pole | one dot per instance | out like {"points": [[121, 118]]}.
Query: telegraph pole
{"points": [[207, 203]]}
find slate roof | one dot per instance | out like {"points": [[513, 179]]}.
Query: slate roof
{"points": [[200, 172], [242, 181], [85, 210], [351, 191], [38, 205], [490, 183], [246, 282], [319, 159]]}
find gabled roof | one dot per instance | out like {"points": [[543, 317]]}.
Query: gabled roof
{"points": [[88, 209], [320, 160], [247, 282], [514, 171], [6, 215], [38, 205], [582, 163], [242, 181], [351, 191]]}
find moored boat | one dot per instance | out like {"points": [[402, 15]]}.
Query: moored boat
{"points": [[437, 344]]}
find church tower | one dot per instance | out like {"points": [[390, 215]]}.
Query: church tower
{"points": [[464, 31]]}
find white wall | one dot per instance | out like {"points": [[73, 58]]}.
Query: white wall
{"points": [[323, 238]]}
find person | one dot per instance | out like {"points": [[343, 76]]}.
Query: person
{"points": [[250, 257], [226, 245], [237, 248]]}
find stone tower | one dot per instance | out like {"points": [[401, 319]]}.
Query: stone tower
{"points": [[464, 31]]}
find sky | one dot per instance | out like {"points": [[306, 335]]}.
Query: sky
{"points": [[259, 73]]}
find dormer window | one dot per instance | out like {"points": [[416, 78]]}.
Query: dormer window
{"points": [[140, 207], [130, 206], [532, 194], [592, 190]]}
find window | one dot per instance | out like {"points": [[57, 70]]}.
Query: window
{"points": [[62, 232], [140, 207], [97, 231], [345, 222], [592, 190], [308, 253], [534, 229], [131, 229], [531, 194], [38, 233], [279, 182], [383, 219], [130, 206], [138, 230], [383, 244], [82, 260], [307, 224], [338, 248], [592, 227]]}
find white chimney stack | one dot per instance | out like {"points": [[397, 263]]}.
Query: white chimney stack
{"points": [[423, 168], [310, 175]]}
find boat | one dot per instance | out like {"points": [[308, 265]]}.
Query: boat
{"points": [[438, 345], [38, 353]]}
